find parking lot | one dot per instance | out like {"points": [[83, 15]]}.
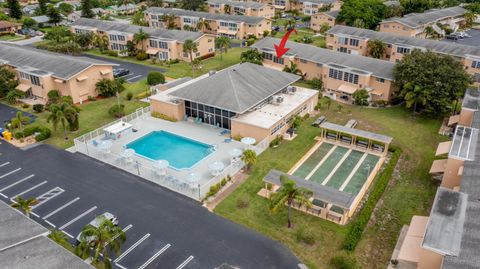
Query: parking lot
{"points": [[163, 229], [137, 71], [474, 40]]}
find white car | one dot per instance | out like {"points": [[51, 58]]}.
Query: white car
{"points": [[97, 221]]}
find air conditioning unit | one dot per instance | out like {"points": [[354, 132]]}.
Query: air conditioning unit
{"points": [[293, 89], [279, 99]]}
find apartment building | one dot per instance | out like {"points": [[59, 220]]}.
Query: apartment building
{"points": [[449, 238], [307, 7], [40, 71], [162, 43], [355, 41], [414, 24], [317, 21], [255, 9], [248, 99], [233, 26], [342, 74]]}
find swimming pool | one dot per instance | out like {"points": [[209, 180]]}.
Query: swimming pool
{"points": [[179, 151]]}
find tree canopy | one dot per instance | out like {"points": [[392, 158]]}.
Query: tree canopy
{"points": [[251, 56], [15, 9], [439, 78], [370, 12], [192, 4], [86, 7]]}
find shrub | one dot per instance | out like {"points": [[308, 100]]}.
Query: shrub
{"points": [[117, 111], [276, 141], [18, 135], [141, 56], [355, 232], [53, 96], [91, 98], [343, 261], [174, 61], [25, 106], [106, 87], [155, 78], [38, 108], [242, 203], [304, 236], [112, 53], [250, 41], [307, 40], [43, 133], [163, 116], [143, 95], [129, 96], [213, 190], [223, 182]]}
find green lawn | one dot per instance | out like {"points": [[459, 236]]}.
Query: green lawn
{"points": [[318, 41], [11, 37], [183, 69], [410, 192], [93, 115]]}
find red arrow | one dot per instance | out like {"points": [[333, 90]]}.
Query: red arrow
{"points": [[280, 49]]}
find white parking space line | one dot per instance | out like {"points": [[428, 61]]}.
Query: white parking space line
{"points": [[69, 235], [11, 172], [131, 248], [48, 195], [154, 256], [30, 189], [49, 223], [77, 218], [3, 164], [18, 182], [120, 266], [124, 230], [35, 214], [132, 78], [4, 196], [184, 263], [60, 208]]}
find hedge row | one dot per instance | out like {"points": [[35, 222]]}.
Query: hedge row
{"points": [[42, 133], [358, 226]]}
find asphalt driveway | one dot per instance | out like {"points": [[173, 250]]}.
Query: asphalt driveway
{"points": [[7, 113], [137, 71], [164, 229]]}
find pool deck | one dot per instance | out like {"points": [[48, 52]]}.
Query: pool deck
{"points": [[200, 132]]}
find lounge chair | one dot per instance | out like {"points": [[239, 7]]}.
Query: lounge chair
{"points": [[95, 143], [227, 140]]}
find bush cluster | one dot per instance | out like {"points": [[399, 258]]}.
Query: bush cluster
{"points": [[304, 236], [38, 108], [117, 111], [142, 56], [214, 189], [112, 53], [163, 116], [42, 133], [154, 78], [355, 232]]}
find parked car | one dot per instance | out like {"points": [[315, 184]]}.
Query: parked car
{"points": [[319, 121], [96, 223], [120, 72]]}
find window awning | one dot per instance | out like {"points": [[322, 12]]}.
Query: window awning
{"points": [[58, 80], [453, 120], [152, 51], [105, 72], [82, 78], [443, 148], [347, 88], [438, 166], [23, 87], [377, 92], [228, 32]]}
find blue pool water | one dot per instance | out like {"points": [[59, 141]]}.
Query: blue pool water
{"points": [[179, 151]]}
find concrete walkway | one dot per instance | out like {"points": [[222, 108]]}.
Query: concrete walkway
{"points": [[237, 180]]}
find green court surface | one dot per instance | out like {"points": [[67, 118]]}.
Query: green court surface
{"points": [[345, 169], [327, 166], [361, 175], [313, 160]]}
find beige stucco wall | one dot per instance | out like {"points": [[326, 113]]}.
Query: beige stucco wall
{"points": [[266, 11], [451, 177], [176, 111], [240, 129], [430, 260], [397, 28], [319, 19]]}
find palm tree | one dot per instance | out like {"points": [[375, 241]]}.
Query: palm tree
{"points": [[24, 205], [249, 157], [18, 121], [293, 68], [190, 47], [376, 48], [413, 94], [98, 238], [168, 20], [140, 37], [222, 43], [289, 193], [203, 25], [61, 114], [101, 41], [227, 9]]}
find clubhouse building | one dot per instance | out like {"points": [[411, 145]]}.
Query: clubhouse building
{"points": [[40, 71], [353, 40], [233, 26], [162, 43], [247, 99], [342, 74], [414, 24]]}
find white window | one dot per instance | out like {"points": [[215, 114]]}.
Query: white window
{"points": [[35, 80], [402, 50], [24, 76], [163, 55]]}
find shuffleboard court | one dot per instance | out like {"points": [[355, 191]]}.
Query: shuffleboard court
{"points": [[313, 160], [327, 166], [345, 169], [359, 178]]}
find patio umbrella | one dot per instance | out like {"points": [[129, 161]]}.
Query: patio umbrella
{"points": [[216, 166], [248, 140], [161, 164], [105, 144], [235, 152], [193, 178], [128, 153]]}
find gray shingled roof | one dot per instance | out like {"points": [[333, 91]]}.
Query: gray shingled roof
{"points": [[320, 192], [379, 68], [129, 28], [445, 224], [237, 88], [324, 2], [358, 132], [332, 14], [415, 20], [209, 16], [449, 48], [254, 5], [59, 65]]}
